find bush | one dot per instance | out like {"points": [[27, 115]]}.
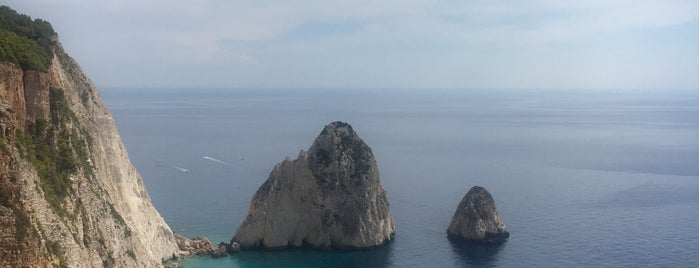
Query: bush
{"points": [[131, 254], [55, 153], [53, 164], [24, 41]]}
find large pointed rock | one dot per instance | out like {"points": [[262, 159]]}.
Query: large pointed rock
{"points": [[329, 197], [476, 219]]}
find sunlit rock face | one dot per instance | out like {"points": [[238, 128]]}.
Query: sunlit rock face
{"points": [[476, 219], [330, 197]]}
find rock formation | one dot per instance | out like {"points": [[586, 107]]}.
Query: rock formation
{"points": [[69, 195], [476, 219], [200, 246], [329, 197]]}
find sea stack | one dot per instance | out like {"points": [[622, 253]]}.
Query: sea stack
{"points": [[330, 197], [476, 219]]}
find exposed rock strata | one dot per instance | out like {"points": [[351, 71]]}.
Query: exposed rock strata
{"points": [[90, 208], [329, 197], [476, 219]]}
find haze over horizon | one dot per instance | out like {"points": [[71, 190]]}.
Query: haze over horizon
{"points": [[546, 44]]}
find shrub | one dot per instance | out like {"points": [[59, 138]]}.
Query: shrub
{"points": [[24, 41], [55, 153]]}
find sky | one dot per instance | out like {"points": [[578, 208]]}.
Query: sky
{"points": [[423, 44]]}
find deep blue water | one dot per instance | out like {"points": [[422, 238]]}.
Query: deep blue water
{"points": [[597, 179]]}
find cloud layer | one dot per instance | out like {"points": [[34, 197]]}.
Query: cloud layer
{"points": [[390, 43]]}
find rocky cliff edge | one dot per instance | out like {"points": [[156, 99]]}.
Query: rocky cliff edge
{"points": [[69, 195]]}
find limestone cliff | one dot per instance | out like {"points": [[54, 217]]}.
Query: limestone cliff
{"points": [[329, 197], [476, 219], [69, 195]]}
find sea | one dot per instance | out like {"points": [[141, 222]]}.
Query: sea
{"points": [[581, 178]]}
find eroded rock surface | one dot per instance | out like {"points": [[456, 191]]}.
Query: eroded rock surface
{"points": [[476, 219], [69, 195], [329, 197], [200, 246]]}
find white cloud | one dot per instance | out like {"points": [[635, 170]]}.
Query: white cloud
{"points": [[244, 35], [209, 21]]}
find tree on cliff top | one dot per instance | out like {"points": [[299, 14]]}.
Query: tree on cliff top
{"points": [[25, 41]]}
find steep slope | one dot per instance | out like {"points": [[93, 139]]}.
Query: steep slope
{"points": [[329, 197], [69, 195]]}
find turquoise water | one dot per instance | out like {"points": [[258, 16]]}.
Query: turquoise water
{"points": [[601, 179]]}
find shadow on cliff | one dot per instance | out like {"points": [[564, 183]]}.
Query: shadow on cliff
{"points": [[476, 254]]}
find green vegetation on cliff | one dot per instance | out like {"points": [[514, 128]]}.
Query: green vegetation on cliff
{"points": [[56, 150], [25, 41]]}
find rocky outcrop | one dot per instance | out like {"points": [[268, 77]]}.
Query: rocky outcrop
{"points": [[232, 247], [476, 219], [68, 192], [329, 197], [200, 246], [37, 89]]}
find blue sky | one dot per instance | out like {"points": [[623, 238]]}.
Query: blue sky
{"points": [[460, 44]]}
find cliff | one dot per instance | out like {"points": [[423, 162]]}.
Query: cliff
{"points": [[476, 219], [329, 197], [69, 195]]}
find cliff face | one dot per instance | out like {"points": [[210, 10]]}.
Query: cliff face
{"points": [[329, 197], [476, 219], [68, 192]]}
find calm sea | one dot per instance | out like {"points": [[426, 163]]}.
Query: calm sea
{"points": [[596, 179]]}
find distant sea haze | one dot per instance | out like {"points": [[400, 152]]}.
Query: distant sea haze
{"points": [[594, 179]]}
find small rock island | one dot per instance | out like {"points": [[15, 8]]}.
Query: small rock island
{"points": [[330, 197], [476, 219]]}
